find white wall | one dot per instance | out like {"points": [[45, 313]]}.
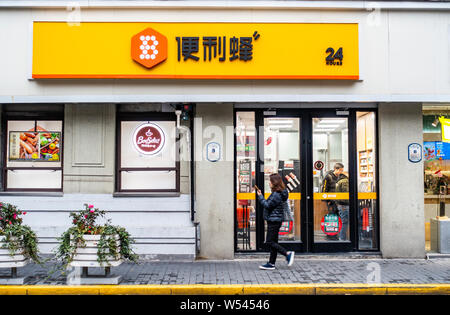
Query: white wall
{"points": [[161, 227], [214, 181], [404, 55], [402, 232]]}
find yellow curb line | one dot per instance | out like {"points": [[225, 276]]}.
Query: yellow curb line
{"points": [[232, 289]]}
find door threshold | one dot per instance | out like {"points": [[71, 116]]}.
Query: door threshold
{"points": [[325, 256]]}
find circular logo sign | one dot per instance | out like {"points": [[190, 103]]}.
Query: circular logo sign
{"points": [[318, 165], [149, 139], [331, 224]]}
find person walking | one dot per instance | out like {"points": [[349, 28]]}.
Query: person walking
{"points": [[273, 214]]}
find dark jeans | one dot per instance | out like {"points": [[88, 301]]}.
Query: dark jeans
{"points": [[343, 213], [273, 228]]}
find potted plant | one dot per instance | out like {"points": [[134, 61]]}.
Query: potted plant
{"points": [[18, 242], [88, 244]]}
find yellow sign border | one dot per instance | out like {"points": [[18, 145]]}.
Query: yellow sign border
{"points": [[84, 61]]}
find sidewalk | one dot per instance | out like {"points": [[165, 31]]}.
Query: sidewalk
{"points": [[339, 273]]}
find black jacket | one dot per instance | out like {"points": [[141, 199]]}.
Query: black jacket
{"points": [[329, 182], [341, 188], [273, 206]]}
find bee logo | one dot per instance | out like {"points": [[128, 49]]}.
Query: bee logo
{"points": [[149, 48]]}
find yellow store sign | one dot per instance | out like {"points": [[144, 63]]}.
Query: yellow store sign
{"points": [[195, 50]]}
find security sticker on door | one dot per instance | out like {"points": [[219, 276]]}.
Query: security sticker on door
{"points": [[213, 152]]}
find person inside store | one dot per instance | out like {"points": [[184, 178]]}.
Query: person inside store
{"points": [[343, 205], [273, 214], [330, 184]]}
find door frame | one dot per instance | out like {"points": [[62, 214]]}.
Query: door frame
{"points": [[353, 182], [302, 245], [306, 153]]}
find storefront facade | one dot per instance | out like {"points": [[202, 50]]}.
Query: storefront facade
{"points": [[170, 139]]}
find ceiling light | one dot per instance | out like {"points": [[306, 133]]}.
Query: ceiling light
{"points": [[323, 130], [280, 126], [279, 122], [327, 126], [332, 121], [435, 122]]}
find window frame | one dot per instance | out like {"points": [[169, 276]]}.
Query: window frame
{"points": [[150, 117], [36, 116]]}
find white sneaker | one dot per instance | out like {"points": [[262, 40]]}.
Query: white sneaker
{"points": [[290, 258]]}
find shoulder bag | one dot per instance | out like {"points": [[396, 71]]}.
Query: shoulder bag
{"points": [[287, 214]]}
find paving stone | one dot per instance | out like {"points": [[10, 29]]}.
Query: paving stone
{"points": [[248, 272]]}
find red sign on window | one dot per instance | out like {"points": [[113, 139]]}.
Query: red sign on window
{"points": [[331, 224], [149, 139]]}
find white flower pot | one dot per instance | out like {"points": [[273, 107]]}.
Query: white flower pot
{"points": [[14, 261], [87, 256], [8, 261]]}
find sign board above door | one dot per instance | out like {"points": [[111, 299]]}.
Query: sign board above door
{"points": [[145, 50]]}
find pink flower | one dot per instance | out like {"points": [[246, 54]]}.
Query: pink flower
{"points": [[24, 213], [92, 210], [1, 218], [86, 216], [91, 206], [10, 223], [15, 216]]}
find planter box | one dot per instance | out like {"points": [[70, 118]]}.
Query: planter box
{"points": [[8, 261], [86, 257]]}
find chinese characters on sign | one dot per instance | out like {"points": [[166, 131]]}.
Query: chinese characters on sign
{"points": [[197, 50], [331, 224], [216, 46]]}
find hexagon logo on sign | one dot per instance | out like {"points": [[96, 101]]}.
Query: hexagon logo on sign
{"points": [[149, 139], [149, 48]]}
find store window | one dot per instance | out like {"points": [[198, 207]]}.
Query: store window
{"points": [[331, 180], [33, 155], [367, 181], [245, 177], [282, 156], [148, 156], [436, 162]]}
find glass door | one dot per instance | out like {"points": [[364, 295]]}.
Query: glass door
{"points": [[282, 155], [245, 214], [330, 169], [328, 164]]}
